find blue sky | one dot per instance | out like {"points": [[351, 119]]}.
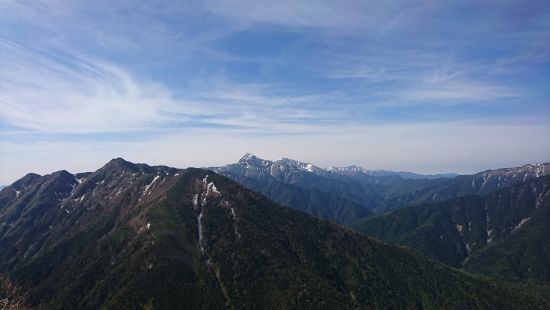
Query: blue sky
{"points": [[427, 86]]}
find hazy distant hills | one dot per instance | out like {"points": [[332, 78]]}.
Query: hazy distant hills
{"points": [[357, 171], [424, 191], [350, 190], [304, 187], [505, 233], [134, 236], [344, 194]]}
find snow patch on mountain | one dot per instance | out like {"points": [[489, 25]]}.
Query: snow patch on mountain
{"points": [[149, 185], [521, 223]]}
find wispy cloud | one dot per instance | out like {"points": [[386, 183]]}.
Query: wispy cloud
{"points": [[455, 92], [346, 15], [304, 79], [62, 93]]}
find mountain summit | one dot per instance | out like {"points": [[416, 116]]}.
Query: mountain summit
{"points": [[250, 161], [349, 194], [166, 238], [302, 186]]}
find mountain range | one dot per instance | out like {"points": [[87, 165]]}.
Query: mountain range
{"points": [[486, 222], [135, 236], [304, 187], [353, 170], [505, 233], [348, 194]]}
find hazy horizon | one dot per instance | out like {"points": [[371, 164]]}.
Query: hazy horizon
{"points": [[427, 87], [91, 169]]}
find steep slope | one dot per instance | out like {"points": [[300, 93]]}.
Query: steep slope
{"points": [[92, 244], [128, 236], [525, 252], [510, 226], [10, 193], [324, 205]]}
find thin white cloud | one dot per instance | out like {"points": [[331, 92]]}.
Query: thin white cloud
{"points": [[66, 93], [455, 92], [342, 16], [63, 93], [368, 54], [412, 78]]}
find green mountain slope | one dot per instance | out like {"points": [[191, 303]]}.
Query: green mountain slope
{"points": [[326, 205], [510, 225], [338, 194], [523, 254], [129, 236], [411, 192]]}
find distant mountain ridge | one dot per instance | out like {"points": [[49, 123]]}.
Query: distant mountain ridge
{"points": [[304, 187], [106, 239], [278, 166], [504, 233], [425, 200], [254, 164], [424, 191], [365, 189], [351, 170]]}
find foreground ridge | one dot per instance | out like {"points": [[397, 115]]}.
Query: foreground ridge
{"points": [[127, 236]]}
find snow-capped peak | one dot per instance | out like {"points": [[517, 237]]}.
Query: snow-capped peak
{"points": [[250, 160], [247, 157]]}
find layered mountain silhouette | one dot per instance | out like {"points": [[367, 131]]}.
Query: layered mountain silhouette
{"points": [[423, 191], [374, 173], [304, 187], [349, 194], [134, 236], [505, 233]]}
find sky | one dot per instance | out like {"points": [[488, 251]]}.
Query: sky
{"points": [[424, 86]]}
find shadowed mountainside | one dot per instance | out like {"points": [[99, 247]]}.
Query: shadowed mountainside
{"points": [[108, 238]]}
